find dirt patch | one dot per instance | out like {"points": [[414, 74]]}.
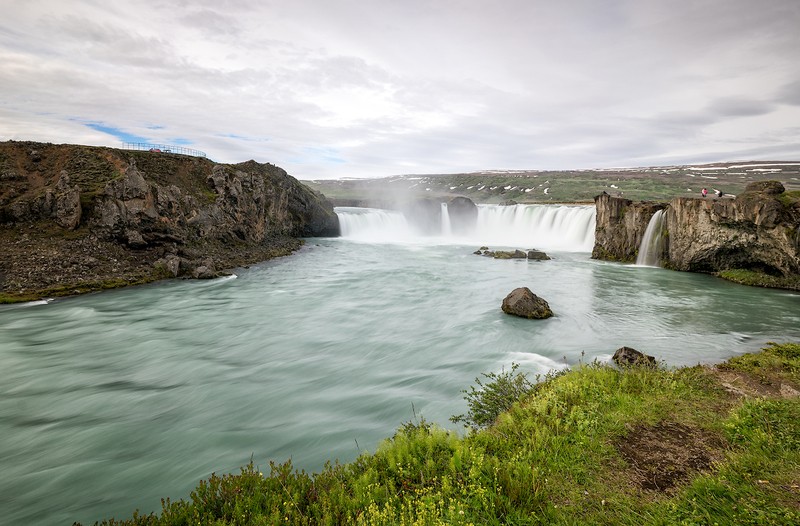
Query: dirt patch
{"points": [[665, 455], [741, 384]]}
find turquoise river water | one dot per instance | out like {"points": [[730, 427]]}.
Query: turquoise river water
{"points": [[110, 401]]}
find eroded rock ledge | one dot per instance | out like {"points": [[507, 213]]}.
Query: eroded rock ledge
{"points": [[758, 230], [76, 218]]}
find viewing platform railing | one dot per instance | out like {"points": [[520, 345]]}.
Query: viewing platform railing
{"points": [[162, 148]]}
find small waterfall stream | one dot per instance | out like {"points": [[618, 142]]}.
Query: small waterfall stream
{"points": [[652, 243]]}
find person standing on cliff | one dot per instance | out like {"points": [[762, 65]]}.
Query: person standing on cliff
{"points": [[704, 192]]}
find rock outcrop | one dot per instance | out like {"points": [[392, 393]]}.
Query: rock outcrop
{"points": [[463, 215], [131, 211], [628, 357], [756, 231], [620, 226], [252, 203], [525, 304], [531, 254], [425, 215]]}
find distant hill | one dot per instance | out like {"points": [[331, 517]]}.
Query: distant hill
{"points": [[659, 183]]}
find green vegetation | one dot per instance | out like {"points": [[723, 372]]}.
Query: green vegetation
{"points": [[790, 198], [79, 288], [593, 445], [775, 365], [488, 400], [760, 279], [561, 186]]}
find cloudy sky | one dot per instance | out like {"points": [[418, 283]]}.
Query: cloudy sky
{"points": [[370, 88]]}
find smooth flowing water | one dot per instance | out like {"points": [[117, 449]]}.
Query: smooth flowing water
{"points": [[652, 245], [111, 401]]}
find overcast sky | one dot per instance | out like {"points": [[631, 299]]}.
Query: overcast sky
{"points": [[370, 88]]}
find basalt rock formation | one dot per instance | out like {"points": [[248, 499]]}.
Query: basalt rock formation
{"points": [[758, 230], [463, 215], [525, 304], [620, 226], [425, 215], [75, 218]]}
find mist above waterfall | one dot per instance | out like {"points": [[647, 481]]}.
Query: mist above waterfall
{"points": [[545, 227]]}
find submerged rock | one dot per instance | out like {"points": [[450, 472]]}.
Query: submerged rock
{"points": [[537, 255], [525, 304], [507, 254]]}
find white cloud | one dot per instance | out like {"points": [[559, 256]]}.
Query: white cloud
{"points": [[348, 88]]}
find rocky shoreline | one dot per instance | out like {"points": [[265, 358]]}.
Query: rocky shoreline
{"points": [[75, 219], [34, 268]]}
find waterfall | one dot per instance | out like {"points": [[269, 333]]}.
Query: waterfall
{"points": [[446, 231], [555, 227], [567, 228], [373, 225], [652, 243]]}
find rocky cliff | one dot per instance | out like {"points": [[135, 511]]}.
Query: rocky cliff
{"points": [[76, 218], [620, 226], [759, 230]]}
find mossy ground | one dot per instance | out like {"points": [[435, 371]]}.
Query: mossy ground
{"points": [[760, 279], [594, 445]]}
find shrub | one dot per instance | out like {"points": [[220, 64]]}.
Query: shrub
{"points": [[496, 395]]}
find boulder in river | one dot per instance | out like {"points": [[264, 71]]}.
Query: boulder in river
{"points": [[537, 255], [525, 304]]}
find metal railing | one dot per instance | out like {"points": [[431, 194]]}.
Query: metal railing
{"points": [[162, 148]]}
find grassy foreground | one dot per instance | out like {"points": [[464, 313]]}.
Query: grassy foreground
{"points": [[593, 445]]}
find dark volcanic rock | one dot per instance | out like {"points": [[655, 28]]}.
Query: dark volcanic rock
{"points": [[537, 255], [525, 304], [627, 356], [424, 215], [755, 231], [619, 227], [507, 254], [132, 212], [63, 203], [766, 187], [463, 215]]}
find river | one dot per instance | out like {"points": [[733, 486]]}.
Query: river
{"points": [[111, 401]]}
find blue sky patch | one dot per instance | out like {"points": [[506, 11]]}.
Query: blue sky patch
{"points": [[116, 132]]}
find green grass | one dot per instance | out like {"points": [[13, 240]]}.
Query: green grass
{"points": [[790, 198], [82, 288], [528, 187], [554, 456], [775, 364]]}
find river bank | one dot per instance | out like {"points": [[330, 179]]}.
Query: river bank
{"points": [[77, 218], [593, 445]]}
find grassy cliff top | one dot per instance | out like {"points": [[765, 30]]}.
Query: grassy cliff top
{"points": [[593, 445], [562, 186]]}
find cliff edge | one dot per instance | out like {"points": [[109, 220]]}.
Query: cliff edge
{"points": [[79, 218], [759, 231]]}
